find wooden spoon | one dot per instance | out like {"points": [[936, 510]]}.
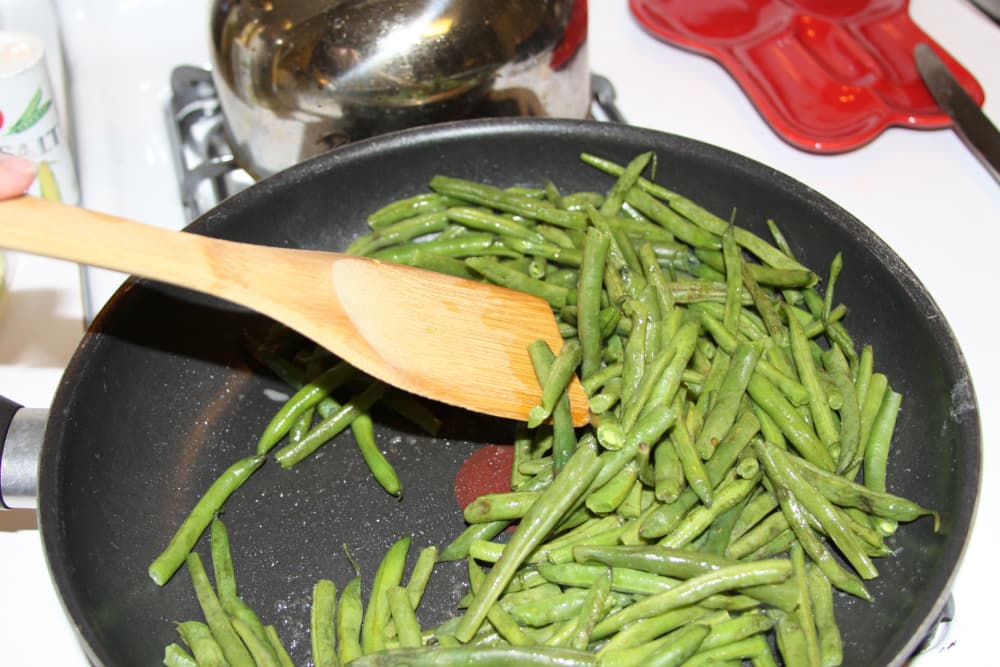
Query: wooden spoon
{"points": [[453, 340]]}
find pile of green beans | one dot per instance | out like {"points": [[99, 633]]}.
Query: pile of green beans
{"points": [[732, 478], [230, 632]]}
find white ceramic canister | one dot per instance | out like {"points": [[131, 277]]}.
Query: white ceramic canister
{"points": [[29, 119]]}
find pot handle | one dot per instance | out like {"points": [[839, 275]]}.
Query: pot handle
{"points": [[21, 434]]}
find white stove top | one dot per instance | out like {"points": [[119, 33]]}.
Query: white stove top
{"points": [[921, 191]]}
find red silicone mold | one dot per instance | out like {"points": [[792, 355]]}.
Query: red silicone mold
{"points": [[827, 75]]}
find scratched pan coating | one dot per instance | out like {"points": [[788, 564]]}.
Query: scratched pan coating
{"points": [[161, 397]]}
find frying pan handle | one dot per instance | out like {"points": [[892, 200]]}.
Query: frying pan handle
{"points": [[21, 433]]}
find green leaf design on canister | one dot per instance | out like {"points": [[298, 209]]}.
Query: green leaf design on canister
{"points": [[34, 112]]}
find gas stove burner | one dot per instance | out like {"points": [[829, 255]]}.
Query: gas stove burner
{"points": [[207, 172]]}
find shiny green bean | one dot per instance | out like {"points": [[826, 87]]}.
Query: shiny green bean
{"points": [[322, 627], [172, 557], [577, 475], [376, 613], [229, 641]]}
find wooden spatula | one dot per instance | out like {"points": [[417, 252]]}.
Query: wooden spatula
{"points": [[452, 340]]}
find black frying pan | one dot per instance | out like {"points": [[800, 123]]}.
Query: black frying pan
{"points": [[160, 398]]}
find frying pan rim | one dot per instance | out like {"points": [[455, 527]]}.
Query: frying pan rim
{"points": [[49, 464]]}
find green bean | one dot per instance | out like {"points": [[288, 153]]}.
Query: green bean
{"points": [[500, 506], [677, 225], [734, 279], [459, 547], [486, 195], [222, 561], [497, 273], [399, 232], [758, 536], [544, 250], [796, 515], [625, 580], [878, 385], [669, 651], [554, 374], [616, 195], [382, 470], [644, 631], [764, 303], [804, 611], [729, 494], [172, 557], [406, 208], [681, 563], [421, 574], [174, 655], [236, 608], [877, 447], [495, 224], [479, 656], [808, 374], [779, 545], [348, 622], [795, 428], [683, 344], [280, 652], [584, 532], [407, 626], [862, 372], [322, 628], [736, 651], [388, 574], [666, 517], [634, 362], [232, 646], [850, 412], [577, 475], [791, 639], [735, 629], [790, 387], [716, 538], [610, 395], [556, 378], [759, 507], [306, 397], [835, 268], [199, 638], [751, 242], [828, 634], [562, 606], [293, 453], [846, 493], [501, 621], [693, 590], [608, 497], [259, 647], [720, 418], [691, 465], [466, 245], [781, 473], [762, 274], [639, 228], [421, 258], [413, 410], [669, 475]]}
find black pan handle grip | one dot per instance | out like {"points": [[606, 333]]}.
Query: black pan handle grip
{"points": [[21, 434]]}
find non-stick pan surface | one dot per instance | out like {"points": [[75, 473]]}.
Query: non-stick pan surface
{"points": [[161, 397]]}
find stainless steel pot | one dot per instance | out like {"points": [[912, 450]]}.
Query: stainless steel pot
{"points": [[298, 77]]}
